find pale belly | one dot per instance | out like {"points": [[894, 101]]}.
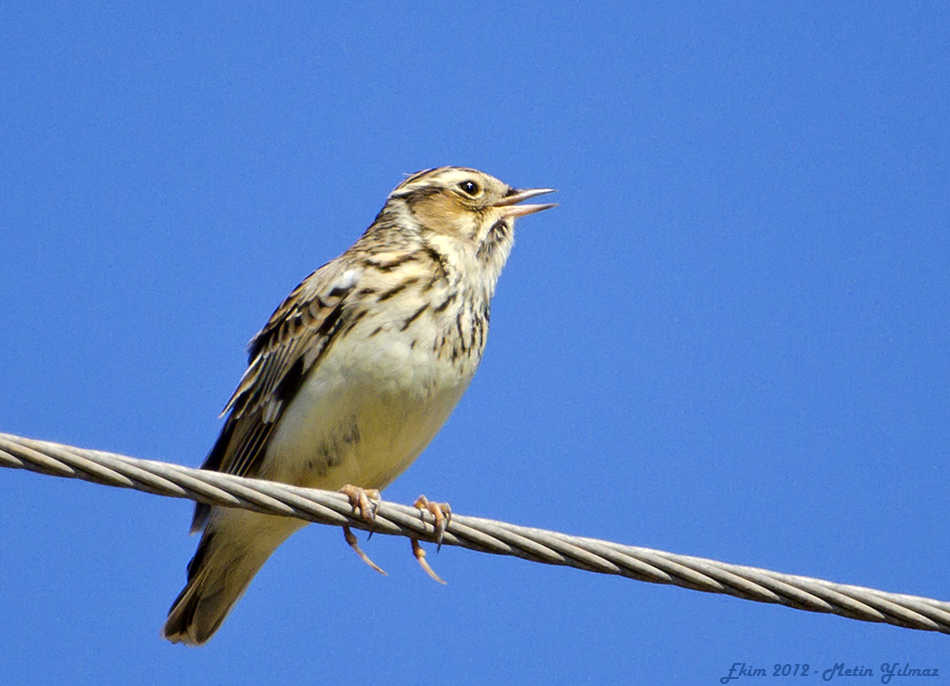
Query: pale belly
{"points": [[362, 418]]}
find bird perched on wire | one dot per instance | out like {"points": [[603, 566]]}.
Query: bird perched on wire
{"points": [[355, 372]]}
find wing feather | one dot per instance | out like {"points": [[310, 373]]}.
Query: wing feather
{"points": [[281, 355]]}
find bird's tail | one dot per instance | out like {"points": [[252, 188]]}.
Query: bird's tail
{"points": [[234, 546]]}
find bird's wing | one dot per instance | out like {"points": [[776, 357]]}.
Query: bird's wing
{"points": [[280, 356]]}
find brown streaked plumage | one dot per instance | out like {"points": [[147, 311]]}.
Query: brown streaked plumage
{"points": [[356, 371]]}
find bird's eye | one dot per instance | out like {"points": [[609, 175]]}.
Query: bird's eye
{"points": [[470, 187]]}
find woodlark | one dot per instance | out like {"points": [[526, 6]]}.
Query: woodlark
{"points": [[356, 371]]}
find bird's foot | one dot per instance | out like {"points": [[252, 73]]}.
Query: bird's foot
{"points": [[364, 501], [442, 514]]}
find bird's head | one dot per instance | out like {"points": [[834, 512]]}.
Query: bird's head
{"points": [[466, 206]]}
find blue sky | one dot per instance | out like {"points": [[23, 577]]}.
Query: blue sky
{"points": [[730, 340]]}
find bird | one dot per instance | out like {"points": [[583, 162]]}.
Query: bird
{"points": [[355, 372]]}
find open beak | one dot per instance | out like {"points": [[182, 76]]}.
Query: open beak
{"points": [[510, 207]]}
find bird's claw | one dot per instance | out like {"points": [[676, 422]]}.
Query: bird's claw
{"points": [[363, 500], [442, 514], [366, 502], [355, 545], [420, 555]]}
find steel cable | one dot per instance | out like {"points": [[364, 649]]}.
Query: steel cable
{"points": [[484, 535]]}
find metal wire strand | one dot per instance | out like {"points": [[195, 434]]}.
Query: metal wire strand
{"points": [[500, 538]]}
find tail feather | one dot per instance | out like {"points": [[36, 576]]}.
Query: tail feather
{"points": [[233, 548]]}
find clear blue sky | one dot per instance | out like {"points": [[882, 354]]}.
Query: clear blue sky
{"points": [[730, 340]]}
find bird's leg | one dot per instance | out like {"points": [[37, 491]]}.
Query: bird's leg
{"points": [[364, 501], [442, 514]]}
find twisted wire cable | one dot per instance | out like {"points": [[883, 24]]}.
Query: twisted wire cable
{"points": [[484, 535]]}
